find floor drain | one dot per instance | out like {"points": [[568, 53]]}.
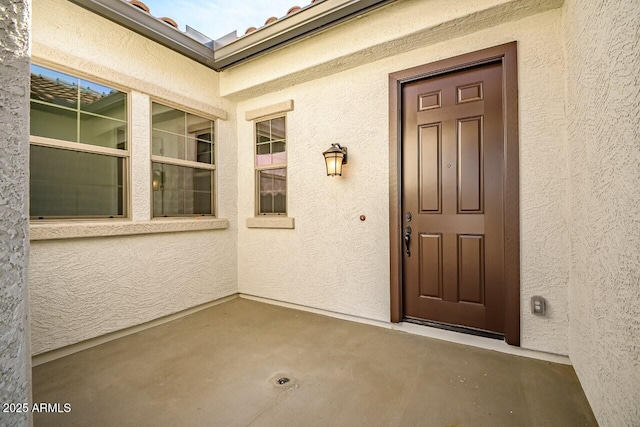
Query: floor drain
{"points": [[283, 380]]}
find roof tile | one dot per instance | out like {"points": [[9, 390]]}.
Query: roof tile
{"points": [[169, 21], [272, 19], [140, 5]]}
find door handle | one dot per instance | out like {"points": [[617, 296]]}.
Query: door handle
{"points": [[407, 239]]}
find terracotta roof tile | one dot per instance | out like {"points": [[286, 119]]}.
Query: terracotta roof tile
{"points": [[140, 5], [145, 8], [169, 21], [291, 11]]}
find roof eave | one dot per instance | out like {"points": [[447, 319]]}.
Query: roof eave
{"points": [[307, 21], [133, 18]]}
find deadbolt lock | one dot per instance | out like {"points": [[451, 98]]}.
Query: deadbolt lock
{"points": [[407, 217]]}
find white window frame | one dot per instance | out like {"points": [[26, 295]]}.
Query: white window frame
{"points": [[186, 163], [88, 148]]}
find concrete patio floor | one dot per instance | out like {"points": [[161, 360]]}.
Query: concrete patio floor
{"points": [[219, 367]]}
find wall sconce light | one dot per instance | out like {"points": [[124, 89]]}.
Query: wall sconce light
{"points": [[335, 157], [158, 180]]}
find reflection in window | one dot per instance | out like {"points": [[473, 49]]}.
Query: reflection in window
{"points": [[67, 183], [181, 135], [270, 142], [272, 184], [271, 171], [181, 190], [183, 162], [59, 102], [86, 180]]}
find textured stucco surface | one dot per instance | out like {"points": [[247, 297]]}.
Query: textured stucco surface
{"points": [[83, 288], [401, 27], [15, 361], [58, 231], [603, 106], [336, 262], [140, 154]]}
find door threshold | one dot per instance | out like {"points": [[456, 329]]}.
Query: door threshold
{"points": [[455, 328]]}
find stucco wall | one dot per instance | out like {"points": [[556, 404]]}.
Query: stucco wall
{"points": [[603, 106], [332, 260], [83, 288], [403, 26], [15, 360]]}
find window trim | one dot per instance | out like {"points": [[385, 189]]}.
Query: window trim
{"points": [[184, 163], [259, 168], [88, 148]]}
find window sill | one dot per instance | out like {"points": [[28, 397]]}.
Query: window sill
{"points": [[271, 222], [79, 230]]}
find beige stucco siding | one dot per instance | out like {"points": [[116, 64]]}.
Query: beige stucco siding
{"points": [[15, 360], [336, 262], [401, 27], [603, 106], [83, 288]]}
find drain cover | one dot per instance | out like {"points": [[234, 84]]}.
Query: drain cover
{"points": [[283, 380]]}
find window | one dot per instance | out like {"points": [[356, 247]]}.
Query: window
{"points": [[79, 147], [271, 167], [183, 163]]}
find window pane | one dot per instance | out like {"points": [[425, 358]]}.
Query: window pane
{"points": [[69, 183], [279, 158], [269, 152], [54, 87], [278, 147], [181, 190], [203, 152], [197, 125], [204, 136], [168, 145], [194, 148], [263, 132], [277, 128], [272, 186], [54, 122], [103, 132], [168, 119], [102, 100]]}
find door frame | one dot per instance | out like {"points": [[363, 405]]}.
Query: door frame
{"points": [[506, 54]]}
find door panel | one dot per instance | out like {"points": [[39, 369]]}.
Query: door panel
{"points": [[452, 161], [470, 165], [431, 265], [471, 269], [430, 153]]}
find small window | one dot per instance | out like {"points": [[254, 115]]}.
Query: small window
{"points": [[271, 167], [79, 147], [183, 163]]}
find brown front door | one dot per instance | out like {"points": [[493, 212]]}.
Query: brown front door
{"points": [[452, 199]]}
